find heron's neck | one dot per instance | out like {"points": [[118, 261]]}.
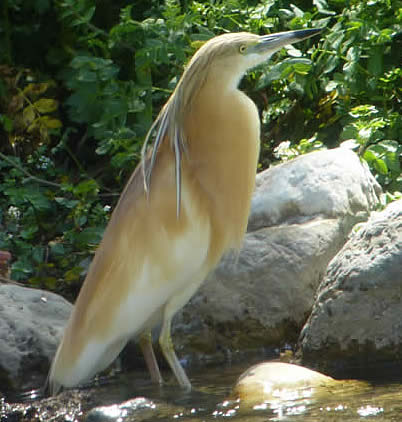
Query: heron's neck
{"points": [[224, 79]]}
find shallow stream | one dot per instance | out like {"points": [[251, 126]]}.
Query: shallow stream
{"points": [[131, 397]]}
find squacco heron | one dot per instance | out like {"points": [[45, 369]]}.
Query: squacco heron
{"points": [[185, 205]]}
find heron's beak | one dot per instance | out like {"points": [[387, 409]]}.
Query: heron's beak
{"points": [[273, 42]]}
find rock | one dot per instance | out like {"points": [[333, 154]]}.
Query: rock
{"points": [[355, 327], [302, 212], [31, 324], [279, 381], [327, 184], [283, 391]]}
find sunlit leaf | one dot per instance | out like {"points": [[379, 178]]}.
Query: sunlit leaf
{"points": [[293, 52], [369, 155], [393, 162], [354, 25], [322, 7], [330, 64], [380, 166], [302, 68], [298, 12], [363, 111]]}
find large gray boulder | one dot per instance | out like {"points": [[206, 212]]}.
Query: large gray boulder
{"points": [[302, 212], [356, 322], [31, 324], [326, 184]]}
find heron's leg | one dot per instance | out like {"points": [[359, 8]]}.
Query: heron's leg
{"points": [[176, 302], [145, 342], [167, 347]]}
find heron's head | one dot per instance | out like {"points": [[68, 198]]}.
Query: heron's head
{"points": [[235, 53]]}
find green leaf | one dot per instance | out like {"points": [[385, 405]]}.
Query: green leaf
{"points": [[38, 254], [31, 195], [7, 123], [293, 52], [380, 166], [375, 61], [90, 236], [21, 268], [29, 232], [352, 57], [302, 68], [330, 64], [86, 75], [369, 155], [46, 105], [363, 111], [50, 122], [392, 161], [87, 187], [89, 14], [391, 146], [68, 203], [50, 282], [57, 248], [298, 12], [322, 7], [73, 274], [354, 25], [331, 85], [28, 115], [349, 132]]}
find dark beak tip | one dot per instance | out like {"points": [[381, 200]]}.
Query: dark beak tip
{"points": [[318, 30], [280, 39], [302, 33]]}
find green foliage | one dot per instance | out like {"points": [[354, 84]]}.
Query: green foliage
{"points": [[49, 228], [82, 82], [30, 111], [361, 84], [286, 151], [366, 134]]}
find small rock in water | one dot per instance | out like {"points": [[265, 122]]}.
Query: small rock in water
{"points": [[279, 381]]}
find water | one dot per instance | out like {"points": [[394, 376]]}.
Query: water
{"points": [[211, 400]]}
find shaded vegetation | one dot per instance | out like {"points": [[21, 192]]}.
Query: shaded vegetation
{"points": [[81, 81]]}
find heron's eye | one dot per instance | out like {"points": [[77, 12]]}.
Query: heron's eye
{"points": [[242, 48]]}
